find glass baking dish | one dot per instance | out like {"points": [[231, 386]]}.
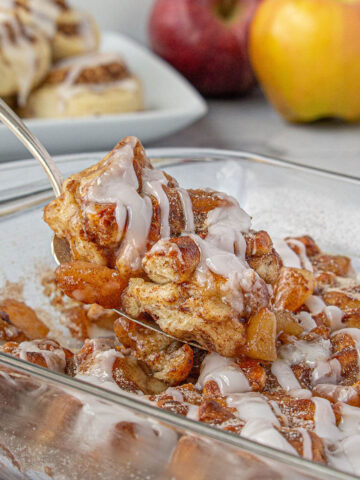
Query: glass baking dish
{"points": [[42, 434]]}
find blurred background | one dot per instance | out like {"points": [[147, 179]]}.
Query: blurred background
{"points": [[279, 77], [126, 16], [248, 123]]}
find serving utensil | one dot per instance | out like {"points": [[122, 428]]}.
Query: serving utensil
{"points": [[60, 247]]}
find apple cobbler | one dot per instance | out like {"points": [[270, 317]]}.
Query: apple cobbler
{"points": [[276, 324]]}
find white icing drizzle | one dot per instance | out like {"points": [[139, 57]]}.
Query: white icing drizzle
{"points": [[228, 376], [350, 419], [97, 418], [223, 253], [354, 333], [153, 182], [19, 52], [263, 432], [102, 364], [326, 371], [252, 406], [55, 359], [308, 352], [119, 185], [305, 262], [335, 315], [176, 394], [306, 321], [277, 410], [285, 376], [225, 227], [43, 14], [287, 255], [324, 420], [315, 304], [340, 392], [193, 412], [300, 393], [316, 355], [187, 210]]}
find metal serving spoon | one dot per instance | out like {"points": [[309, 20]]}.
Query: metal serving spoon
{"points": [[60, 247]]}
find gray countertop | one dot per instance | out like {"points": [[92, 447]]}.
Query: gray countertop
{"points": [[251, 124]]}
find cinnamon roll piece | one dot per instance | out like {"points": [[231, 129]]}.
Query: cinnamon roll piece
{"points": [[167, 360], [101, 363], [94, 84], [183, 251]]}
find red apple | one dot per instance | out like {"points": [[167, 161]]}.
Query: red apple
{"points": [[207, 41]]}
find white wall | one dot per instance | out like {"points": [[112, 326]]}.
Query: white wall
{"points": [[126, 16]]}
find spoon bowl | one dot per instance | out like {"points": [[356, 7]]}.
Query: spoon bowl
{"points": [[60, 249]]}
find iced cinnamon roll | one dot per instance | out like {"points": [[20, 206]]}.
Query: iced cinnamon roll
{"points": [[24, 57], [69, 31], [76, 34], [94, 84]]}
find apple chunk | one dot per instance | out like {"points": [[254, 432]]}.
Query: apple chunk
{"points": [[261, 336]]}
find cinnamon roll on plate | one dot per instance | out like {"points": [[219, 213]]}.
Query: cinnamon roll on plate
{"points": [[25, 57], [93, 84], [69, 31], [76, 34]]}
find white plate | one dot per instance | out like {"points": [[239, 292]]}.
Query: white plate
{"points": [[171, 104]]}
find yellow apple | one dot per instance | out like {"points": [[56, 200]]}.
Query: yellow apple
{"points": [[306, 55]]}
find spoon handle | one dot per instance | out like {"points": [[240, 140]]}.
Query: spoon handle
{"points": [[20, 130]]}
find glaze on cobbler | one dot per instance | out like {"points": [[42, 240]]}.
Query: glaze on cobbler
{"points": [[277, 320]]}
